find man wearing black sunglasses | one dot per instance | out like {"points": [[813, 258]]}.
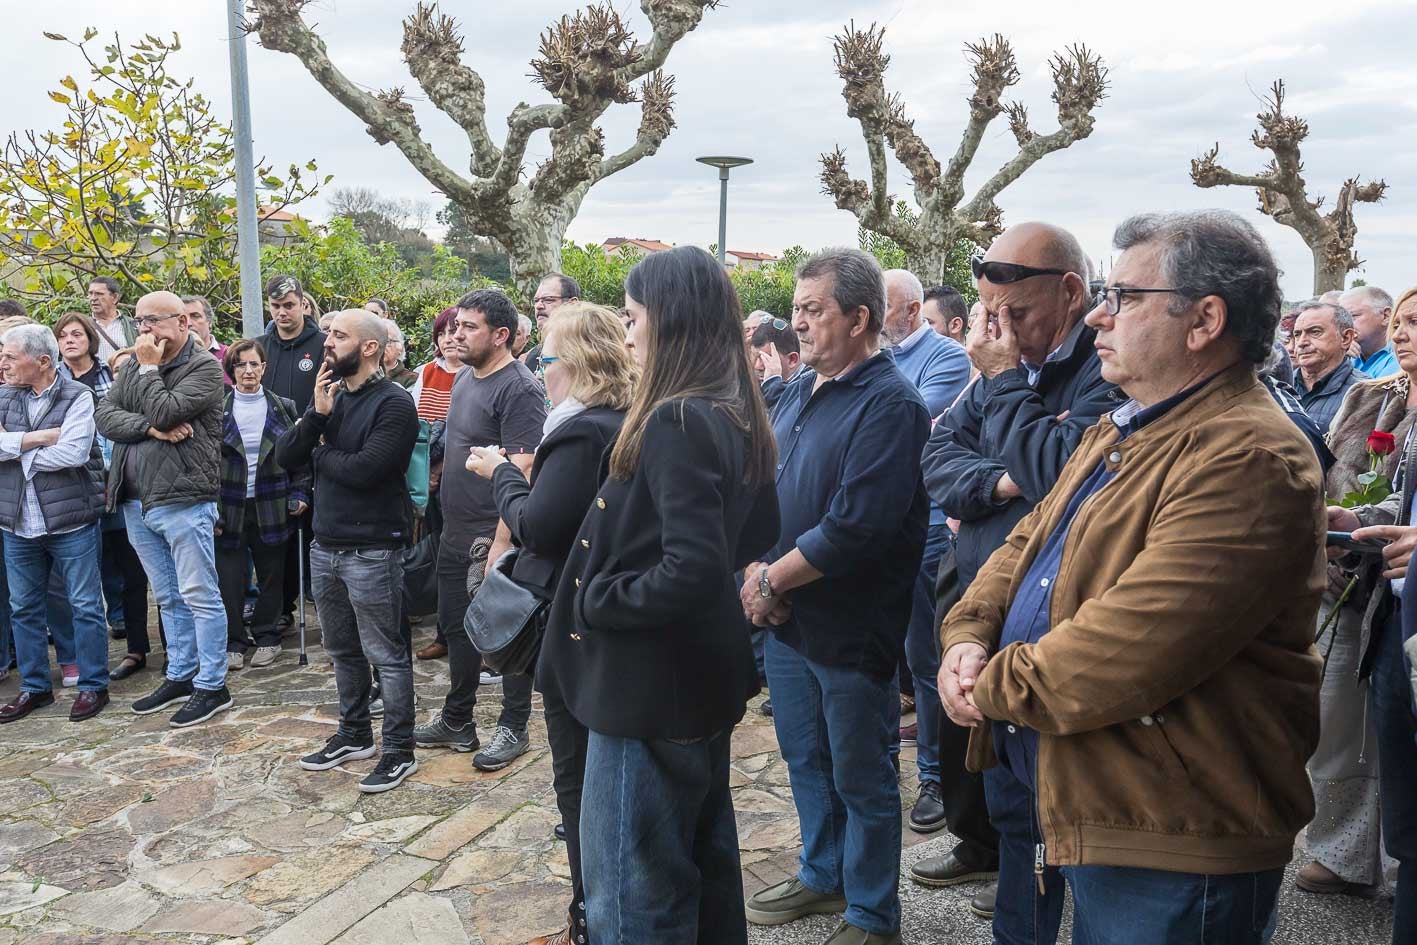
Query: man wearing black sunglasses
{"points": [[990, 459]]}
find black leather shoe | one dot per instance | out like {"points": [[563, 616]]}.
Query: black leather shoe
{"points": [[982, 905], [25, 703], [560, 832], [128, 667], [928, 814], [949, 870]]}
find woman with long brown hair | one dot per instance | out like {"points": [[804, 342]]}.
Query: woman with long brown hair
{"points": [[646, 638]]}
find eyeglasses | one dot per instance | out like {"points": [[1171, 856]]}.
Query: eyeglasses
{"points": [[1114, 293], [249, 367], [778, 324], [545, 360], [547, 299], [151, 320], [1003, 273]]}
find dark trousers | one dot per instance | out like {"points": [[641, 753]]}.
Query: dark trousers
{"points": [[568, 739], [660, 844], [1115, 905], [464, 662], [119, 556], [233, 574], [1022, 915], [1397, 772], [358, 593]]}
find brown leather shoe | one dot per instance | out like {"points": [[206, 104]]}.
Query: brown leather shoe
{"points": [[88, 705], [25, 703], [433, 651], [1319, 879], [562, 937]]}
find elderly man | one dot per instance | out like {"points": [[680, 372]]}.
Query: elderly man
{"points": [[51, 497], [164, 417], [394, 351], [358, 436], [946, 312], [519, 340], [935, 364], [116, 331], [552, 292], [1323, 332], [837, 591], [1142, 645], [1371, 309], [990, 459]]}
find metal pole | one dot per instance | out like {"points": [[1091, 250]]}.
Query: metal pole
{"points": [[722, 212], [247, 239]]}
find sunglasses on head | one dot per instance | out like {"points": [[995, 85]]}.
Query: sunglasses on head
{"points": [[778, 324], [1002, 273]]}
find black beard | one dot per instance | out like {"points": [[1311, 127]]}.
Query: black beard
{"points": [[343, 366]]}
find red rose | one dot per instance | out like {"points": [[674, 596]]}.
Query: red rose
{"points": [[1381, 443]]}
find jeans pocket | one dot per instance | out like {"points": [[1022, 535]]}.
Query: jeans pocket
{"points": [[373, 554]]}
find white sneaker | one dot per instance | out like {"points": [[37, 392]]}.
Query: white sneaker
{"points": [[235, 661], [265, 655], [489, 678]]}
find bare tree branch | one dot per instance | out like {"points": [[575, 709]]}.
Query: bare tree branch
{"points": [[433, 49]]}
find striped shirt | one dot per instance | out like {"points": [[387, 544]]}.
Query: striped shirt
{"points": [[434, 390]]}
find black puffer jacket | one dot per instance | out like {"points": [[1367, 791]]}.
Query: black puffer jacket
{"points": [[187, 389]]}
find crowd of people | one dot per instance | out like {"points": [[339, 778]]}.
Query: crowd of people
{"points": [[1132, 547]]}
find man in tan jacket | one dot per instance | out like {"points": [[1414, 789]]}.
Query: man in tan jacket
{"points": [[1139, 652]]}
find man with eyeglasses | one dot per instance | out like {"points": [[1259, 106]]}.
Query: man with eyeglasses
{"points": [[993, 456], [164, 417], [552, 292], [116, 331], [1138, 656]]}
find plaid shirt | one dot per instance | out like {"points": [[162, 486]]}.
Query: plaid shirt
{"points": [[98, 378], [276, 488]]}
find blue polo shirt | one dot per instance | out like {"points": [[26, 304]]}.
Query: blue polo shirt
{"points": [[1030, 614], [1380, 363], [852, 500]]}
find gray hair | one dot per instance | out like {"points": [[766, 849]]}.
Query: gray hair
{"points": [[1342, 318], [1379, 299], [1215, 252], [395, 332], [524, 323], [856, 281], [906, 280], [34, 340]]}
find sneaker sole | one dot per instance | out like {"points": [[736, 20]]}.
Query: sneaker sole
{"points": [[350, 756], [455, 746], [932, 827], [381, 788], [215, 709], [821, 907], [978, 877], [988, 916], [498, 765], [159, 708]]}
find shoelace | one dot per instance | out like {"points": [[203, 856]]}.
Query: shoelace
{"points": [[504, 739]]}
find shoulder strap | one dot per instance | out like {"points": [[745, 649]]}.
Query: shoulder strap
{"points": [[116, 346]]}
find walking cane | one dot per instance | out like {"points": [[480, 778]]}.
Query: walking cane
{"points": [[300, 570]]}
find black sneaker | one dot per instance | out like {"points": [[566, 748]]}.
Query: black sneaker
{"points": [[337, 751], [204, 704], [389, 774], [163, 696]]}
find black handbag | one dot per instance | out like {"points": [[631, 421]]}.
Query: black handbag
{"points": [[505, 621], [420, 576]]}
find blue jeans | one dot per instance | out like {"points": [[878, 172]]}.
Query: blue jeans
{"points": [[74, 557], [659, 845], [835, 727], [1022, 916], [1397, 773], [359, 593], [175, 544], [922, 655], [1121, 906]]}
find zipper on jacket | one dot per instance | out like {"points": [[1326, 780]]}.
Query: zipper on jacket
{"points": [[1038, 868]]}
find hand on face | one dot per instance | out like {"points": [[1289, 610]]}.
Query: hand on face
{"points": [[149, 350], [992, 344]]}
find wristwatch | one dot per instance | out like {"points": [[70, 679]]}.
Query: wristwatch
{"points": [[765, 590]]}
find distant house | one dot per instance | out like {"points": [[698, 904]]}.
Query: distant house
{"points": [[274, 225], [639, 247], [738, 259]]}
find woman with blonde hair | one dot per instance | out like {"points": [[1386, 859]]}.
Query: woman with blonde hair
{"points": [[589, 378]]}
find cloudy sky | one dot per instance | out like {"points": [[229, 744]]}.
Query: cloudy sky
{"points": [[756, 78]]}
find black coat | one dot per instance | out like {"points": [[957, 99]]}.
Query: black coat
{"points": [[565, 475], [1006, 424], [646, 637]]}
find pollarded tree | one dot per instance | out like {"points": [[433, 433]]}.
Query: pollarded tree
{"points": [[587, 61], [945, 217], [1283, 194]]}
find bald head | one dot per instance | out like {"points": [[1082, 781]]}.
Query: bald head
{"points": [[1042, 246], [159, 303], [904, 298], [163, 316], [354, 347], [362, 325]]}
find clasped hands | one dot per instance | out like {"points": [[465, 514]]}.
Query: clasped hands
{"points": [[762, 611], [959, 671]]}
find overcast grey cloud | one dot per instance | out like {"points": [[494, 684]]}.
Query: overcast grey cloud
{"points": [[756, 78]]}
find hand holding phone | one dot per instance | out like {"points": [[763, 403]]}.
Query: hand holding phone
{"points": [[1346, 541]]}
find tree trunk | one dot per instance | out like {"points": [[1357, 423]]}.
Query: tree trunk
{"points": [[534, 250], [927, 264], [1330, 274]]}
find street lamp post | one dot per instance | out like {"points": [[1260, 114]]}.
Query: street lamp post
{"points": [[247, 239], [723, 163]]}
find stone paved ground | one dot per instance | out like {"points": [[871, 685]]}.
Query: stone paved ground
{"points": [[122, 830]]}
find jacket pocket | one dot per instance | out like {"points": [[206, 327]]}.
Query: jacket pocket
{"points": [[1158, 745]]}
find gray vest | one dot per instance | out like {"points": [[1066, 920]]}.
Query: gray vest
{"points": [[68, 498]]}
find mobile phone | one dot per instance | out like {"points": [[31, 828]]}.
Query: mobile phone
{"points": [[1344, 540]]}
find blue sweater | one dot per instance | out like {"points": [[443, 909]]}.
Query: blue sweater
{"points": [[938, 367]]}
